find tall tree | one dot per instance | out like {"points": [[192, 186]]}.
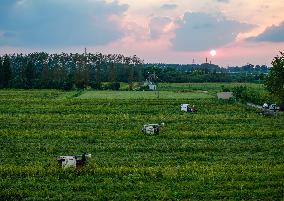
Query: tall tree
{"points": [[30, 74], [7, 74], [45, 75], [275, 79], [137, 68], [22, 71], [130, 77], [128, 64], [98, 70], [86, 74], [1, 73], [37, 70], [79, 76], [111, 73]]}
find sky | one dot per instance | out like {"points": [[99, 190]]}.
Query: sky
{"points": [[157, 31]]}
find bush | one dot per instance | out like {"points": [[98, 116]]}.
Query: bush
{"points": [[67, 85], [112, 86], [96, 85], [245, 94], [225, 89], [143, 88]]}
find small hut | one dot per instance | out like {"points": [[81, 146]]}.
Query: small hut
{"points": [[225, 95], [151, 85]]}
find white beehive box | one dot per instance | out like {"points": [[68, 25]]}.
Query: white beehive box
{"points": [[184, 107], [151, 129], [68, 161]]}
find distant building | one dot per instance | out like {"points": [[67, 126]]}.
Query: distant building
{"points": [[225, 95], [151, 85]]}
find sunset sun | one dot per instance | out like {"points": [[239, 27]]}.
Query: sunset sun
{"points": [[213, 53]]}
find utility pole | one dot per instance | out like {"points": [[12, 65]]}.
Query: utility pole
{"points": [[158, 94]]}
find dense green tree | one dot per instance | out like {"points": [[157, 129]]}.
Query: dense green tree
{"points": [[45, 77], [79, 76], [130, 78], [275, 80], [98, 73], [6, 71], [30, 74], [111, 74], [64, 71], [1, 73]]}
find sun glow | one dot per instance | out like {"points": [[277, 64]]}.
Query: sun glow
{"points": [[213, 53]]}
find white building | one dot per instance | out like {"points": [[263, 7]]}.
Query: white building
{"points": [[151, 85]]}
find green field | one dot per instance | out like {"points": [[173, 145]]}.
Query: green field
{"points": [[225, 151], [142, 95], [210, 87]]}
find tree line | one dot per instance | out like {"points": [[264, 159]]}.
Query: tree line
{"points": [[207, 72], [98, 71], [206, 68], [68, 71]]}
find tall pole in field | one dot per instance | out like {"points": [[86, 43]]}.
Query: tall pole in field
{"points": [[155, 78]]}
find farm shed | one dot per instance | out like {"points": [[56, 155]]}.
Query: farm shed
{"points": [[225, 95]]}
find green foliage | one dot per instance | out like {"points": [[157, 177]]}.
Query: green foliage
{"points": [[112, 86], [247, 94], [275, 79], [225, 89], [111, 74], [63, 71], [1, 73], [96, 85], [67, 85], [143, 88], [177, 73], [5, 72], [81, 71], [240, 93], [130, 78], [29, 75]]}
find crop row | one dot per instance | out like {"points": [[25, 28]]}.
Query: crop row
{"points": [[224, 151]]}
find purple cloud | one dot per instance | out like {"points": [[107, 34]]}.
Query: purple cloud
{"points": [[271, 34], [201, 31], [53, 23]]}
